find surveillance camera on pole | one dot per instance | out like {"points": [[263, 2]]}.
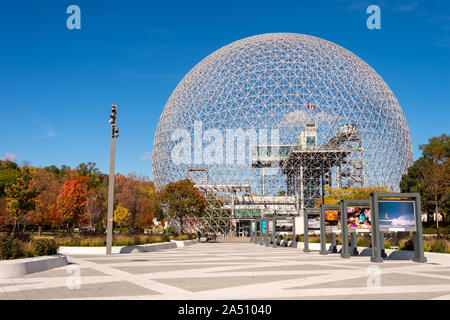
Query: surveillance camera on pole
{"points": [[114, 135]]}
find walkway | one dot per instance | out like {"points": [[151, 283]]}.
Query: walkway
{"points": [[234, 271]]}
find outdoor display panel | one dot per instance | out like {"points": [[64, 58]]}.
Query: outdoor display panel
{"points": [[332, 221], [313, 222], [397, 215], [396, 212], [359, 219], [330, 216]]}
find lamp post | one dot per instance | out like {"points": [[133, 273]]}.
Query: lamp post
{"points": [[114, 135]]}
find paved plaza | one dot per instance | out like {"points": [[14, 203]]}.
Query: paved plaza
{"points": [[234, 271]]}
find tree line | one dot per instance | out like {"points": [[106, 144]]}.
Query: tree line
{"points": [[64, 198]]}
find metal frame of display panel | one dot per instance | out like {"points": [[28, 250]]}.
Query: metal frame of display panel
{"points": [[346, 252], [306, 227], [323, 231], [378, 237], [275, 234]]}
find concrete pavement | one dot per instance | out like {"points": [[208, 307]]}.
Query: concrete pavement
{"points": [[234, 271]]}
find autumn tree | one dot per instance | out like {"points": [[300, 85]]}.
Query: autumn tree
{"points": [[182, 199], [48, 186], [334, 195], [144, 218], [6, 220], [71, 201], [133, 193], [121, 215]]}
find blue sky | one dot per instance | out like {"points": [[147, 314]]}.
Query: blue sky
{"points": [[57, 85]]}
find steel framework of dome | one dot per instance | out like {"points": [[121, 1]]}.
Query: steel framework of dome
{"points": [[269, 119]]}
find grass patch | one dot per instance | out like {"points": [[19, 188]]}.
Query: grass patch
{"points": [[15, 248], [429, 245], [120, 240]]}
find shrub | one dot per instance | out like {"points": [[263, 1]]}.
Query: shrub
{"points": [[365, 242], [406, 244], [11, 248], [170, 230], [21, 236], [44, 246], [137, 240], [387, 244], [437, 245], [182, 237], [100, 228]]}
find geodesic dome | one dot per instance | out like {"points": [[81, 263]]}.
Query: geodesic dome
{"points": [[276, 85]]}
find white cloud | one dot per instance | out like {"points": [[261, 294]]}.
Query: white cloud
{"points": [[407, 7], [146, 156], [10, 157], [402, 221], [50, 132]]}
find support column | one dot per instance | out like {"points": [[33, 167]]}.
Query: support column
{"points": [[376, 234], [305, 232], [262, 182], [418, 235], [323, 233], [333, 248], [302, 191], [344, 231], [274, 232], [354, 244], [338, 177], [383, 251], [294, 240]]}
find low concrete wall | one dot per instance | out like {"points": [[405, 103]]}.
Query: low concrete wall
{"points": [[173, 244], [184, 243], [19, 267]]}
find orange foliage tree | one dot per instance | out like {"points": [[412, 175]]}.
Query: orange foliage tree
{"points": [[71, 202]]}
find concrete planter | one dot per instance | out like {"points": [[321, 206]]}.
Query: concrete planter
{"points": [[126, 249], [20, 267]]}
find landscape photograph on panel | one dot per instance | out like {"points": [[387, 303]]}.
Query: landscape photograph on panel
{"points": [[397, 215]]}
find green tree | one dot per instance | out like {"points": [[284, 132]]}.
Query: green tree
{"points": [[21, 197], [9, 172], [430, 176], [182, 199]]}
